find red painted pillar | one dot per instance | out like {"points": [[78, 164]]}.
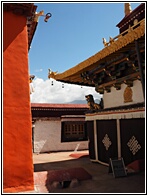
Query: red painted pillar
{"points": [[17, 144]]}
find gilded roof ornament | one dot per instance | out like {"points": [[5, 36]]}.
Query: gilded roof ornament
{"points": [[105, 43], [127, 8], [111, 40], [51, 74]]}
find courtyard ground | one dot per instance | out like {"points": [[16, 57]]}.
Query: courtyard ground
{"points": [[101, 182]]}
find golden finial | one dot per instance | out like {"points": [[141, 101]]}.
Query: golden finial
{"points": [[37, 15], [51, 74], [111, 40], [105, 42], [127, 8]]}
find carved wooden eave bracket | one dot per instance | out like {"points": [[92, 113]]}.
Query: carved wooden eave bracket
{"points": [[128, 80], [133, 33]]}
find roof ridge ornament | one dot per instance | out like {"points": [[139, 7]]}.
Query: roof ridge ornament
{"points": [[41, 13], [51, 74], [127, 9]]}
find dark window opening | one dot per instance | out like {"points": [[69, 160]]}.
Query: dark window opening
{"points": [[73, 131]]}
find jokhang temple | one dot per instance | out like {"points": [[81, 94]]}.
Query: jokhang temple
{"points": [[116, 72]]}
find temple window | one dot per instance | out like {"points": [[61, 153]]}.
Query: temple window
{"points": [[73, 131]]}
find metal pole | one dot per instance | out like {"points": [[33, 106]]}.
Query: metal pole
{"points": [[140, 67]]}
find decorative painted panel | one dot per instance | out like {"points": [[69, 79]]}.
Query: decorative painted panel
{"points": [[107, 140], [132, 139]]}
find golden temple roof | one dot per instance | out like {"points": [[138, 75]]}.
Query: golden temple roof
{"points": [[117, 62], [119, 45]]}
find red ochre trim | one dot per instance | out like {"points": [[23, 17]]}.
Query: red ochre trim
{"points": [[45, 105], [19, 189]]}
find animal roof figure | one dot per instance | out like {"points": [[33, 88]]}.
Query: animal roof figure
{"points": [[91, 103]]}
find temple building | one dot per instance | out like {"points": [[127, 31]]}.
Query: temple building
{"points": [[58, 127], [19, 26], [118, 73]]}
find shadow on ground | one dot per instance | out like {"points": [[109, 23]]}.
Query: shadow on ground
{"points": [[101, 182]]}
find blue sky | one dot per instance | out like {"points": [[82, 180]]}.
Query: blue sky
{"points": [[71, 35]]}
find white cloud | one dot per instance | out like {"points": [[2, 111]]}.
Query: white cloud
{"points": [[45, 92], [38, 70]]}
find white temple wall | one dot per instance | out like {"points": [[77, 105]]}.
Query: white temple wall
{"points": [[116, 97], [47, 137]]}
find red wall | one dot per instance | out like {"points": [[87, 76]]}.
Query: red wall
{"points": [[17, 141]]}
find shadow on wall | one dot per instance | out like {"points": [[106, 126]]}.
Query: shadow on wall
{"points": [[10, 21]]}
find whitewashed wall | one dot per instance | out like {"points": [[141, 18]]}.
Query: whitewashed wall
{"points": [[47, 137], [116, 98]]}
